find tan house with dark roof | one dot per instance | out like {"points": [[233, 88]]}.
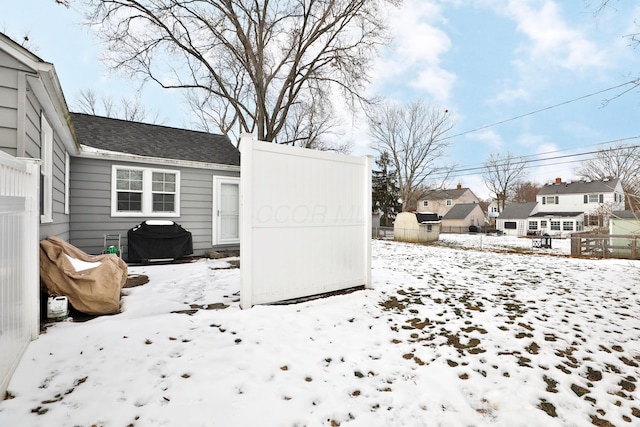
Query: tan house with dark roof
{"points": [[441, 201]]}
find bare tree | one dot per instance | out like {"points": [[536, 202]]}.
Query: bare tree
{"points": [[252, 60], [128, 109], [501, 173], [313, 126], [525, 191], [415, 136], [620, 161]]}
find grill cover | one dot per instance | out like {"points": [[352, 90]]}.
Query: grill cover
{"points": [[158, 240]]}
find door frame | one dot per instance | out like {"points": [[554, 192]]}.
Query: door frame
{"points": [[215, 213]]}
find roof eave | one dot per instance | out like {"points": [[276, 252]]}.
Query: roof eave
{"points": [[96, 153]]}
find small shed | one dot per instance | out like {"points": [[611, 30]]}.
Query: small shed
{"points": [[416, 227]]}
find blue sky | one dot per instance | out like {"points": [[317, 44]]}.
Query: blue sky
{"points": [[487, 61]]}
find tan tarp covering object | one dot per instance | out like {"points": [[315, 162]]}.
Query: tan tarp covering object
{"points": [[92, 291]]}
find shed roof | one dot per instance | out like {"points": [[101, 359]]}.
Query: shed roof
{"points": [[625, 214], [460, 211], [150, 140], [517, 210], [579, 187]]}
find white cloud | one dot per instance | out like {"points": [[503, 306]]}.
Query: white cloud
{"points": [[556, 45], [414, 58], [489, 137]]}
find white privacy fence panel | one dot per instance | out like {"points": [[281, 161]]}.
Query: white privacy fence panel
{"points": [[306, 222], [19, 261]]}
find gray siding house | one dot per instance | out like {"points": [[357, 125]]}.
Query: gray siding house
{"points": [[129, 172], [96, 176], [34, 123]]}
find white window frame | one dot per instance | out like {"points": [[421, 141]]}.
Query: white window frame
{"points": [[555, 225], [147, 193], [425, 203], [533, 225], [449, 202], [46, 170], [568, 225]]}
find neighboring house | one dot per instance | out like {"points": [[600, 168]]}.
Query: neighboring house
{"points": [[128, 172], [463, 215], [493, 211], [513, 220], [595, 199], [441, 201]]}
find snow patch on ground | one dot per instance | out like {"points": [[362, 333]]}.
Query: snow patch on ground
{"points": [[473, 331]]}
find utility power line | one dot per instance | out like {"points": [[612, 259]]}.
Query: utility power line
{"points": [[630, 82], [528, 161]]}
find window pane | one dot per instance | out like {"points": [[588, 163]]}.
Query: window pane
{"points": [[165, 182], [129, 202], [163, 203], [128, 180]]}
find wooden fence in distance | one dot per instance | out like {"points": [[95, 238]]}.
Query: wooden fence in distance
{"points": [[585, 245]]}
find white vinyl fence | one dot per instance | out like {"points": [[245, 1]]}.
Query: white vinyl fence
{"points": [[305, 222], [19, 261]]}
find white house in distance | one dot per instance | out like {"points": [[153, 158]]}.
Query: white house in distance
{"points": [[562, 208], [594, 199]]}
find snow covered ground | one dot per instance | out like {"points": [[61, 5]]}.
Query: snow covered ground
{"points": [[448, 337]]}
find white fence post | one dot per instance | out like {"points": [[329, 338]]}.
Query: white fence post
{"points": [[32, 245]]}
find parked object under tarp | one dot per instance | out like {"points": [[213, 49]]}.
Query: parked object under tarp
{"points": [[158, 240], [91, 283]]}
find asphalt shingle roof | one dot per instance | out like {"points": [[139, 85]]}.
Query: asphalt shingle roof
{"points": [[444, 194], [517, 210], [154, 140], [460, 211], [579, 187]]}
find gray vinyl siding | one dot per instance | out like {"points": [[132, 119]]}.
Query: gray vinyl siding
{"points": [[8, 105], [90, 203], [18, 117]]}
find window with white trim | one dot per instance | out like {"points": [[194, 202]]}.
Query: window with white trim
{"points": [[145, 192], [533, 225], [550, 200], [543, 223], [425, 203], [555, 225], [449, 202], [567, 225]]}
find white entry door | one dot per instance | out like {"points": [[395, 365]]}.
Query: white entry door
{"points": [[226, 210]]}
